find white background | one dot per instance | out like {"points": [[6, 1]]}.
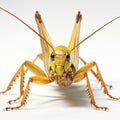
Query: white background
{"points": [[18, 43]]}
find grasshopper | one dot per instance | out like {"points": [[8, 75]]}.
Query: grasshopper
{"points": [[61, 64]]}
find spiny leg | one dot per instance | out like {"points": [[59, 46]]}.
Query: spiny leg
{"points": [[91, 95], [22, 72], [81, 74], [87, 67], [93, 72], [40, 80], [32, 67], [103, 83], [13, 80]]}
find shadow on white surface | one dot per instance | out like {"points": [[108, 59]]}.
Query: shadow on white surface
{"points": [[53, 102], [76, 96]]}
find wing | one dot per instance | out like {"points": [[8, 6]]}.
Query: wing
{"points": [[46, 44], [74, 41]]}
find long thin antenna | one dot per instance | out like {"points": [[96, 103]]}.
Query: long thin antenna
{"points": [[94, 32], [27, 26]]}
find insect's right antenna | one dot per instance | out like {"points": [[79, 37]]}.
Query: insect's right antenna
{"points": [[27, 26]]}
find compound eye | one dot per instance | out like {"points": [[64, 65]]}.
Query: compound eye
{"points": [[52, 56], [68, 56]]}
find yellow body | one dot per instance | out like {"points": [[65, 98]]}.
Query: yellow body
{"points": [[61, 65]]}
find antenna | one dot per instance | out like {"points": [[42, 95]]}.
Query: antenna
{"points": [[94, 32], [27, 26]]}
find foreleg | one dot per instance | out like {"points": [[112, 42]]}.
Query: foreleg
{"points": [[40, 80], [93, 72], [21, 71], [82, 73]]}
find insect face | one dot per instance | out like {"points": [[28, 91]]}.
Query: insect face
{"points": [[60, 60], [61, 69]]}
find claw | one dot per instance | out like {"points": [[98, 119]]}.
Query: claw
{"points": [[13, 108], [10, 108], [104, 108], [13, 101], [114, 98], [100, 108]]}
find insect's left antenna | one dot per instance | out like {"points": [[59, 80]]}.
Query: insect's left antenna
{"points": [[27, 26]]}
